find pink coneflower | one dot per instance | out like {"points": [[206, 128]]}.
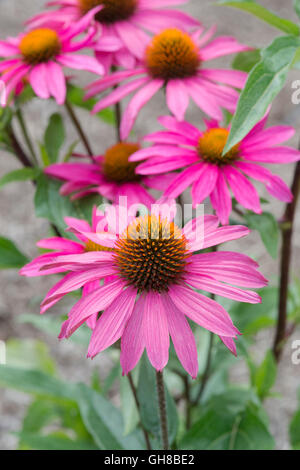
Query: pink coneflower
{"points": [[41, 54], [152, 292], [111, 175], [208, 172], [125, 20], [176, 60]]}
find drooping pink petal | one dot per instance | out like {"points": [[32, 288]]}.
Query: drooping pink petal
{"points": [[182, 337], [184, 180], [223, 45], [81, 62], [156, 332], [111, 324], [229, 343], [96, 301], [157, 165], [220, 235], [110, 80], [156, 21], [183, 128], [133, 341], [203, 311], [272, 155], [231, 273], [243, 190], [56, 82], [203, 98], [213, 286], [205, 183], [58, 243], [39, 82], [221, 199], [235, 78], [135, 39], [177, 98], [119, 93], [268, 137], [136, 103], [161, 151]]}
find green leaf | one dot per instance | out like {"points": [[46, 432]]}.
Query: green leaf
{"points": [[52, 326], [10, 255], [21, 174], [264, 82], [29, 353], [54, 136], [294, 431], [231, 421], [75, 96], [104, 422], [147, 396], [268, 229], [263, 14], [265, 376], [250, 318], [54, 441], [129, 410], [54, 207], [245, 61], [36, 383], [297, 7]]}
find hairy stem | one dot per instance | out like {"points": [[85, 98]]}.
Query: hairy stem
{"points": [[25, 132], [19, 152], [287, 226], [187, 396], [134, 392], [79, 129], [206, 372], [162, 410], [118, 116]]}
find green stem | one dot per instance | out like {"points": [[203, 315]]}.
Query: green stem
{"points": [[118, 116], [137, 402], [79, 129], [25, 132], [206, 372], [162, 410]]}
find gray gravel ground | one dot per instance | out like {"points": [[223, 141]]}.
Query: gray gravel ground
{"points": [[19, 224]]}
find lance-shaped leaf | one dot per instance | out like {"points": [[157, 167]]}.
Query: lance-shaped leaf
{"points": [[263, 14], [264, 83]]}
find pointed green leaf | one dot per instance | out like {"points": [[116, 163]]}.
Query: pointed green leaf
{"points": [[250, 6], [54, 136], [21, 174], [10, 255], [264, 83], [268, 229]]}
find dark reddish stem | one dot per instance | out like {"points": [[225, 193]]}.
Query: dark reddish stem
{"points": [[79, 129], [287, 226]]}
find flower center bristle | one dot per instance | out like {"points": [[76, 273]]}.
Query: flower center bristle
{"points": [[116, 166], [40, 45], [92, 246], [113, 11], [172, 54], [151, 254], [211, 145]]}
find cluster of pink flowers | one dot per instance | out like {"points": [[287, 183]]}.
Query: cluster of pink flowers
{"points": [[144, 274]]}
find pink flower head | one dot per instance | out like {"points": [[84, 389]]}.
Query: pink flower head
{"points": [[111, 175], [209, 173], [176, 60], [124, 20], [155, 274], [39, 55]]}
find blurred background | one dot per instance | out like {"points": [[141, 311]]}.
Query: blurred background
{"points": [[19, 295]]}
